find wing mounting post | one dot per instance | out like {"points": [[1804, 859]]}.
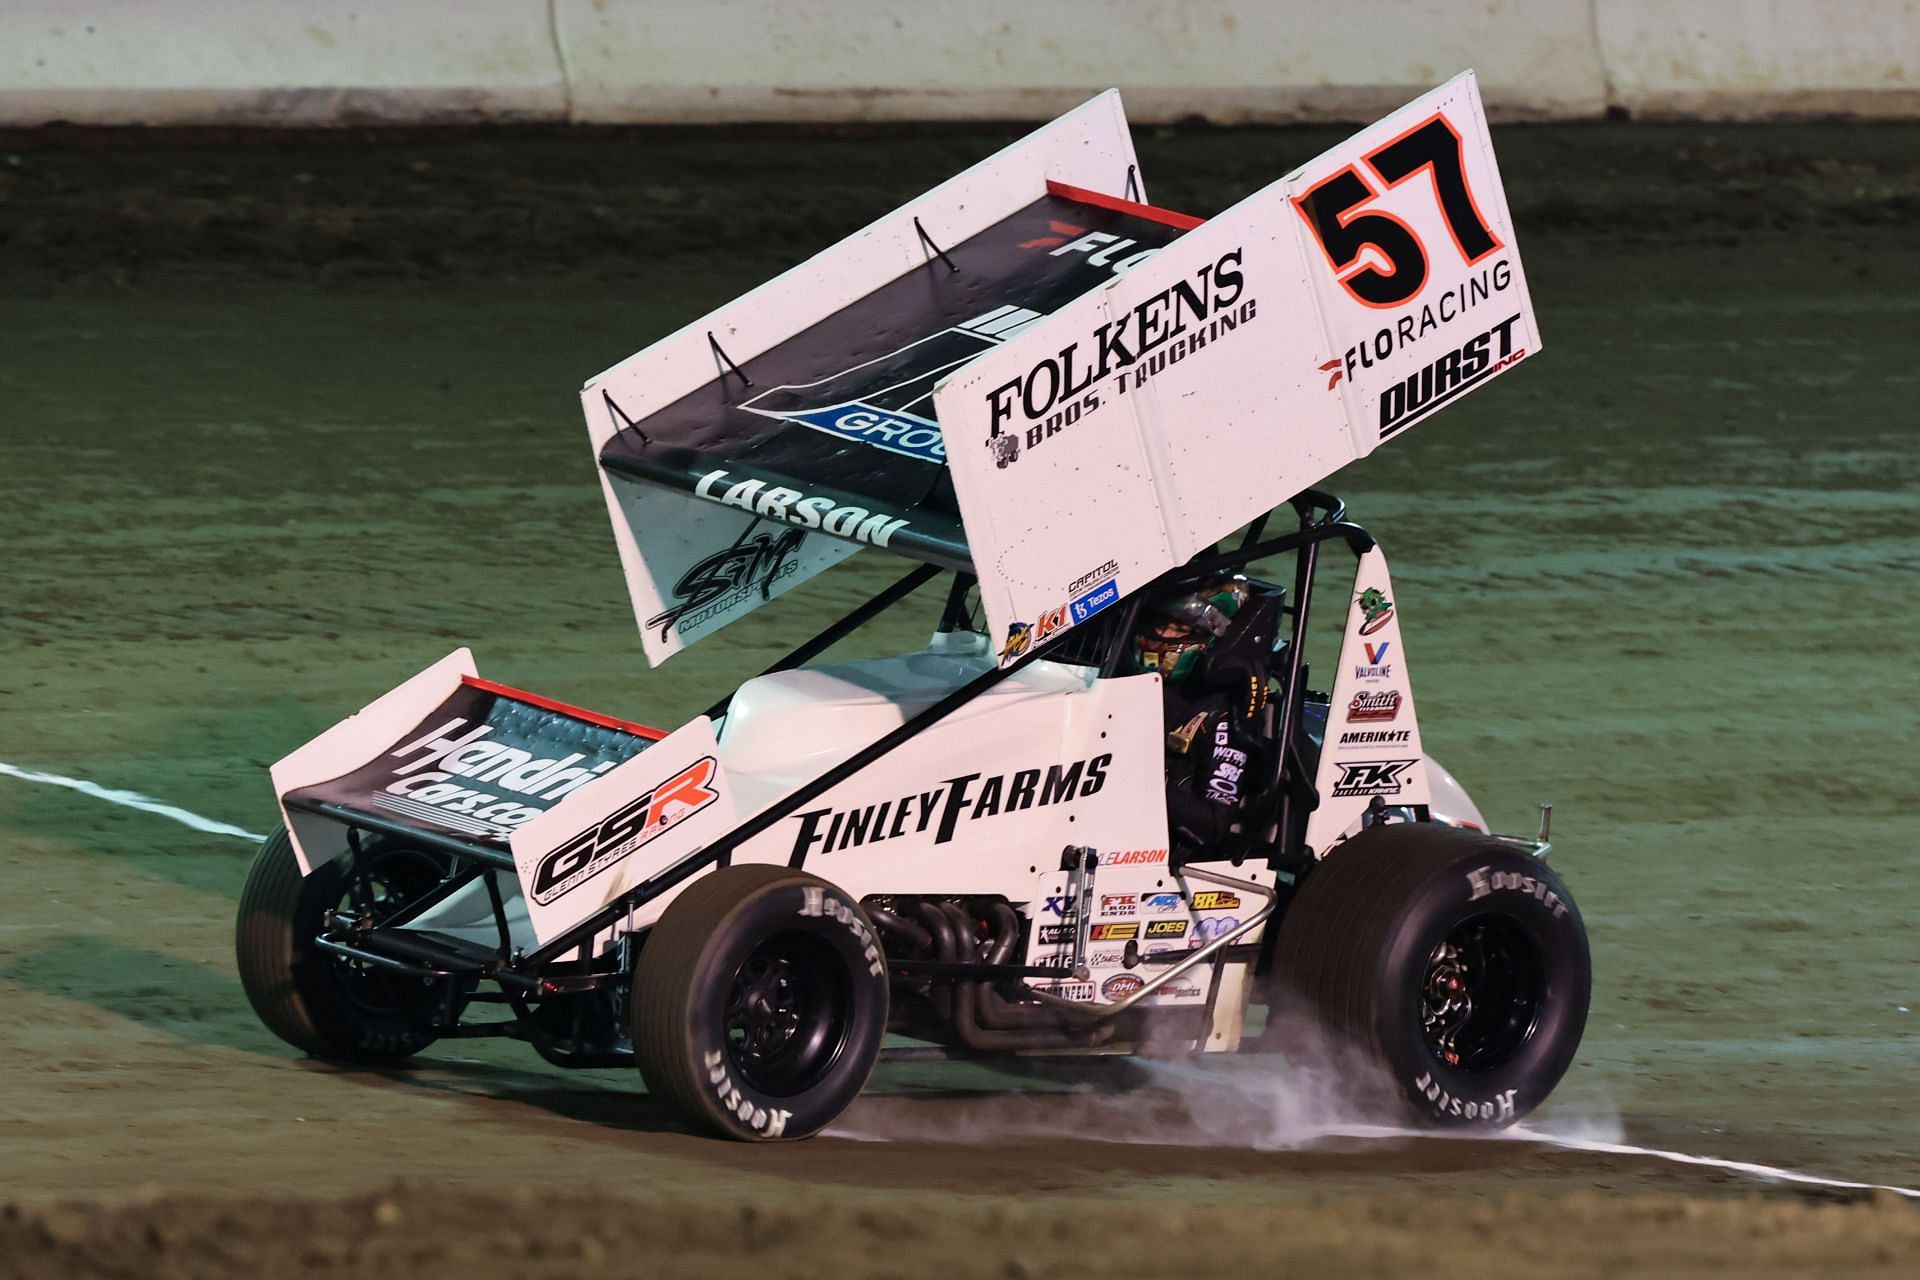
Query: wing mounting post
{"points": [[937, 251], [720, 354]]}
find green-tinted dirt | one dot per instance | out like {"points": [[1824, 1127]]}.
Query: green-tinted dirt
{"points": [[283, 421]]}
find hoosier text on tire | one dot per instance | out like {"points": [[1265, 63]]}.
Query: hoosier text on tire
{"points": [[1454, 961], [759, 1003]]}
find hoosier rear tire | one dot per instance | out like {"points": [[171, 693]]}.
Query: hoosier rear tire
{"points": [[1453, 960], [316, 1002], [759, 1002]]}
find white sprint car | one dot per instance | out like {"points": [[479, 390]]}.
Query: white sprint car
{"points": [[1102, 811]]}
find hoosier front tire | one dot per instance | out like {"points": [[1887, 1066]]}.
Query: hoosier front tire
{"points": [[1454, 961], [759, 1003]]}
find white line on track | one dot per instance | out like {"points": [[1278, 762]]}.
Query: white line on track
{"points": [[131, 800], [1768, 1172], [147, 804]]}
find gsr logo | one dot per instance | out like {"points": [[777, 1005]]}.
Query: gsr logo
{"points": [[624, 830]]}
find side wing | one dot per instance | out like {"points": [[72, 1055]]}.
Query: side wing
{"points": [[700, 542], [1246, 361]]}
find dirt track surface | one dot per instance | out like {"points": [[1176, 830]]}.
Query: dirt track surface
{"points": [[406, 1233], [269, 444]]}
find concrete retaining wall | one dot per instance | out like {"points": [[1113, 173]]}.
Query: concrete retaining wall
{"points": [[615, 61]]}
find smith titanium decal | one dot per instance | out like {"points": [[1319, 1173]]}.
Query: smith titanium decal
{"points": [[968, 797], [1369, 705]]}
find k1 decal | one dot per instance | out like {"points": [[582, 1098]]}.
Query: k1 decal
{"points": [[967, 798]]}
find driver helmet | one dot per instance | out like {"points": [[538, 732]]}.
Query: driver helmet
{"points": [[1176, 630]]}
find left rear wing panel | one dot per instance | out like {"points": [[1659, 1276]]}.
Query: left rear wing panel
{"points": [[447, 756], [691, 564]]}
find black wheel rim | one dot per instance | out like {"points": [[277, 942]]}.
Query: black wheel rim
{"points": [[376, 888], [1482, 994], [787, 1012]]}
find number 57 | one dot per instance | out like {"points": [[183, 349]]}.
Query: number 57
{"points": [[1331, 210]]}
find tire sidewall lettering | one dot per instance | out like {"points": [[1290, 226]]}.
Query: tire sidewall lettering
{"points": [[828, 914], [821, 903], [1518, 889]]}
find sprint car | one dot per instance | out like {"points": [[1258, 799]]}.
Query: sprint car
{"points": [[1092, 423]]}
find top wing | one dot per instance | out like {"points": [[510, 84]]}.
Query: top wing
{"points": [[1283, 339], [1064, 393], [834, 429]]}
